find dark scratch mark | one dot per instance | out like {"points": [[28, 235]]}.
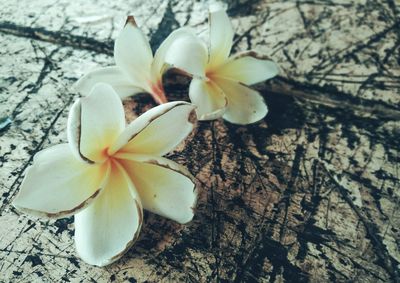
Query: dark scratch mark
{"points": [[60, 38]]}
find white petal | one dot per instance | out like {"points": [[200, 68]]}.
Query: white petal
{"points": [[189, 54], [58, 185], [209, 99], [102, 119], [133, 55], [158, 64], [158, 131], [165, 187], [105, 230], [113, 76], [221, 37], [248, 68], [245, 105]]}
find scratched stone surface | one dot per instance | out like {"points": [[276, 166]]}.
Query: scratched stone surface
{"points": [[309, 194]]}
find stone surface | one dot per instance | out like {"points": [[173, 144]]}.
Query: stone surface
{"points": [[309, 194]]}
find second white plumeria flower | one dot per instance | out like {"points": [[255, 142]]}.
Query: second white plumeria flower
{"points": [[107, 172], [217, 86], [136, 70]]}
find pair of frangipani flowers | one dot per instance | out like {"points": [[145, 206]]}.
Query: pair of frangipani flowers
{"points": [[109, 172]]}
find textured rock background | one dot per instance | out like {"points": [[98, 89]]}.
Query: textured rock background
{"points": [[311, 193]]}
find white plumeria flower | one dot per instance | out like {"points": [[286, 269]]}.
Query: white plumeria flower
{"points": [[107, 172], [217, 87], [136, 70]]}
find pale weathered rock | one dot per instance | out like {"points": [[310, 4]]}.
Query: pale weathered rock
{"points": [[309, 194]]}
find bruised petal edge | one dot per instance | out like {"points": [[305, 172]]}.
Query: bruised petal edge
{"points": [[60, 214], [130, 20], [135, 236], [74, 131], [145, 121]]}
